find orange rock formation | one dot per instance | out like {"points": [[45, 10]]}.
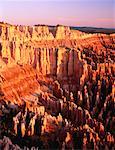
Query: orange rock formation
{"points": [[56, 86], [56, 53]]}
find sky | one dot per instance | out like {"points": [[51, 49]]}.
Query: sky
{"points": [[91, 13]]}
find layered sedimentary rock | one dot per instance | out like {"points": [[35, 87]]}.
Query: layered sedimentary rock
{"points": [[61, 55], [22, 42], [56, 81], [17, 82], [38, 47]]}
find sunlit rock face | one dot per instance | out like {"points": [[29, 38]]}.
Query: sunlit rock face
{"points": [[56, 81], [58, 55], [17, 82], [30, 45]]}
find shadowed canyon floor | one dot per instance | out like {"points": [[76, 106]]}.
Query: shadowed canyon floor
{"points": [[56, 88]]}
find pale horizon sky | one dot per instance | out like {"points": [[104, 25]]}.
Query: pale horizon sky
{"points": [[92, 13]]}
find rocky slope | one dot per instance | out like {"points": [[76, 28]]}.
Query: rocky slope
{"points": [[58, 74], [58, 54]]}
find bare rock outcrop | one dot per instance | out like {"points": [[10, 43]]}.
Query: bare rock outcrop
{"points": [[56, 88], [67, 55], [18, 82]]}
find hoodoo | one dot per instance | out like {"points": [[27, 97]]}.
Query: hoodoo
{"points": [[56, 85]]}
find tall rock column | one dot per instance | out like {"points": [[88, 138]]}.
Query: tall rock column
{"points": [[17, 52], [53, 66], [42, 62], [65, 59], [38, 59], [60, 63], [48, 61], [71, 63]]}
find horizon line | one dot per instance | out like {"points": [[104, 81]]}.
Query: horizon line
{"points": [[42, 24]]}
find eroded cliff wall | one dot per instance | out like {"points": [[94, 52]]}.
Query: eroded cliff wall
{"points": [[18, 81], [67, 54], [51, 55]]}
